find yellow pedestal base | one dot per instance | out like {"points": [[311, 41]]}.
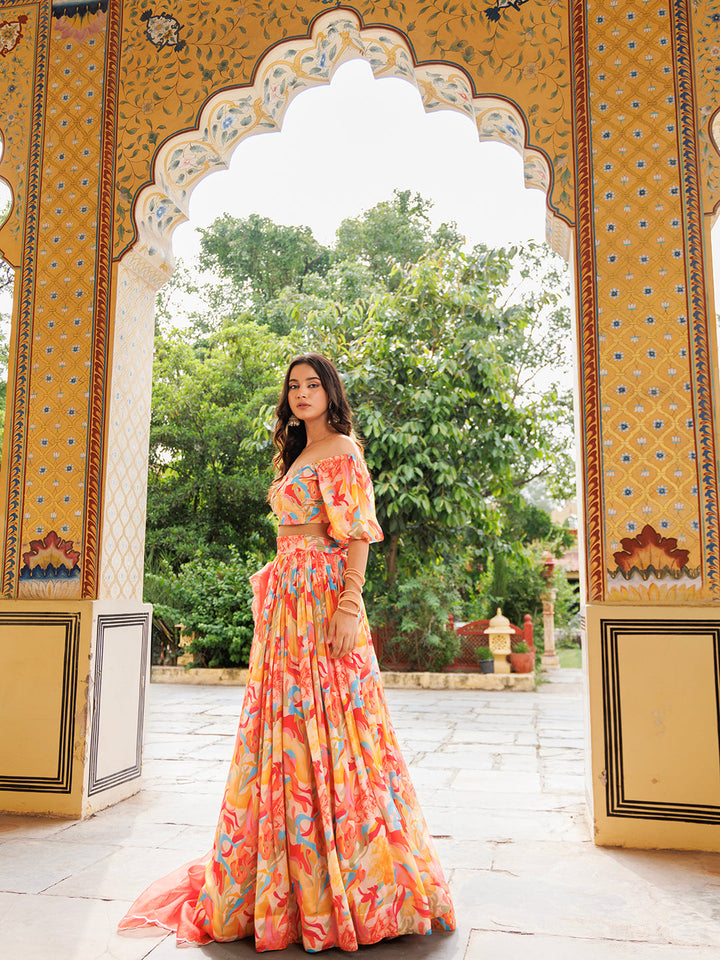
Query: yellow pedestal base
{"points": [[72, 699], [654, 712]]}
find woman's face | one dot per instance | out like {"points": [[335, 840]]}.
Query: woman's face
{"points": [[306, 394]]}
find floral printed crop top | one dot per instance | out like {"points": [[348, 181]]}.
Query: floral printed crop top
{"points": [[337, 491]]}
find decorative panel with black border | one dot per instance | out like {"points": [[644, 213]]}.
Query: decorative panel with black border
{"points": [[41, 701], [661, 699], [121, 654]]}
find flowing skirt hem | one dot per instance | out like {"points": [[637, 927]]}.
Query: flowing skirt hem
{"points": [[138, 925]]}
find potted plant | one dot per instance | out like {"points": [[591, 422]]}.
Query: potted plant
{"points": [[522, 660], [486, 660]]}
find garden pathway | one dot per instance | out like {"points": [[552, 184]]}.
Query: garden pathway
{"points": [[500, 777]]}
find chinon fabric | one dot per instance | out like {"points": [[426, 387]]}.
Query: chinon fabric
{"points": [[320, 838]]}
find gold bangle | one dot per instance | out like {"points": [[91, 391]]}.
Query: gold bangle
{"points": [[349, 600], [352, 613]]}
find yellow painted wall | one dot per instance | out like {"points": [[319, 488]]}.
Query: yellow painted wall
{"points": [[110, 117]]}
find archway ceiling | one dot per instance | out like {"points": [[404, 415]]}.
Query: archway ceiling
{"points": [[194, 84]]}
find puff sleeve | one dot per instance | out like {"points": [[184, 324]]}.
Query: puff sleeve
{"points": [[347, 492]]}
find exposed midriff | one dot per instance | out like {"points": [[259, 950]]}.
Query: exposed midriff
{"points": [[303, 530]]}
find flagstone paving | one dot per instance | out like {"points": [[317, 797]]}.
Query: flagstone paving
{"points": [[501, 779]]}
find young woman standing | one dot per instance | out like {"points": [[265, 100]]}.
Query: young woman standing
{"points": [[320, 838]]}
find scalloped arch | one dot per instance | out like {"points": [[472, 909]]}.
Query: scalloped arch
{"points": [[288, 69], [714, 135]]}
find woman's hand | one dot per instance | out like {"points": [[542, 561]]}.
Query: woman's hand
{"points": [[343, 633], [345, 625]]}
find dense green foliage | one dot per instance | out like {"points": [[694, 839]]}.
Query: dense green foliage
{"points": [[211, 601], [447, 436], [418, 611], [261, 258], [393, 233], [450, 359], [208, 482], [513, 580]]}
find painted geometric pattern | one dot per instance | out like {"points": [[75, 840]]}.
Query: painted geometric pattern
{"points": [[62, 321], [291, 67], [646, 383], [172, 65], [128, 426]]}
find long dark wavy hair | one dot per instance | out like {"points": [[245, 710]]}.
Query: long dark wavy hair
{"points": [[291, 441]]}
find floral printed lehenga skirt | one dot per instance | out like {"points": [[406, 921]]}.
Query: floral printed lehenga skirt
{"points": [[320, 838]]}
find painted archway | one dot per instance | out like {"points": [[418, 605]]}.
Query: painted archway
{"points": [[230, 116], [113, 111], [225, 120]]}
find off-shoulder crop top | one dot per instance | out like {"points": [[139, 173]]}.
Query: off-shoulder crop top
{"points": [[337, 491]]}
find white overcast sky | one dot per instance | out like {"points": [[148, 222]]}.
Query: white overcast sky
{"points": [[346, 146]]}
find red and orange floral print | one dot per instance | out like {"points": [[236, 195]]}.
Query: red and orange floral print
{"points": [[320, 838]]}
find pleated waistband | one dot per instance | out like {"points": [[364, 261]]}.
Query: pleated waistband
{"points": [[309, 544]]}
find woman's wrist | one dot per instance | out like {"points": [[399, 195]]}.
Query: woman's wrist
{"points": [[350, 599], [345, 605]]}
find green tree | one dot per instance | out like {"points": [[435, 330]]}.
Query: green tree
{"points": [[450, 360], [537, 346], [393, 233], [260, 257], [328, 298], [212, 600], [526, 523], [208, 482], [426, 370]]}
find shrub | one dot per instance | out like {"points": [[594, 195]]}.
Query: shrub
{"points": [[567, 611], [212, 599], [418, 607], [514, 582]]}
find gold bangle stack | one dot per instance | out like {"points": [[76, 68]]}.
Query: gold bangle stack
{"points": [[351, 598]]}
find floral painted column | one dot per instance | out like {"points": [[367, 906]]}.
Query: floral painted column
{"points": [[650, 456], [75, 666]]}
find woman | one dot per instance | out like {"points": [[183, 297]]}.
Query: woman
{"points": [[320, 837]]}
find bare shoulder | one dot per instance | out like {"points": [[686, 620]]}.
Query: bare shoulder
{"points": [[339, 445]]}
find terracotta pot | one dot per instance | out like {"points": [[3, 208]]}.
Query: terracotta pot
{"points": [[522, 662]]}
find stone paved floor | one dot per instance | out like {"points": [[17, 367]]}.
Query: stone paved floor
{"points": [[500, 777]]}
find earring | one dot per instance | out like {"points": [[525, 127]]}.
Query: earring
{"points": [[293, 421]]}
